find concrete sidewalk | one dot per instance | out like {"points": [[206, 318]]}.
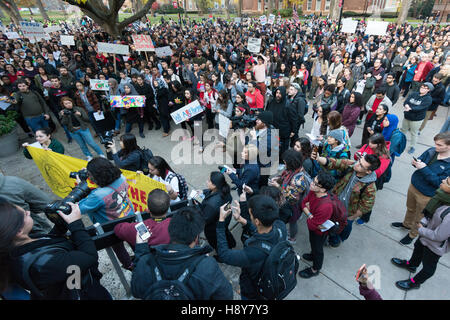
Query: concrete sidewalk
{"points": [[374, 243]]}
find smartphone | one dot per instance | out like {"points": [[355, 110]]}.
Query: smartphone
{"points": [[360, 270], [228, 206], [143, 232], [415, 159]]}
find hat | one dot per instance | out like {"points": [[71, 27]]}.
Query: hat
{"points": [[266, 117], [337, 134], [295, 85], [429, 85]]}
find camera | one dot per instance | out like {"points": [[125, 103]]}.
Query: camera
{"points": [[67, 112], [246, 121], [107, 138], [79, 192], [82, 174]]}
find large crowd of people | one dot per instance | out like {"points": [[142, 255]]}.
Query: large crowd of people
{"points": [[303, 73]]}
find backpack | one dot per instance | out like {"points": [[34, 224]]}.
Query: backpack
{"points": [[443, 215], [166, 288], [339, 215], [146, 155], [278, 276], [183, 187], [398, 142]]}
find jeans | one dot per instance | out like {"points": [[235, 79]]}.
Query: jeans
{"points": [[130, 124], [428, 258], [84, 138], [118, 117], [36, 123], [446, 126], [447, 95]]}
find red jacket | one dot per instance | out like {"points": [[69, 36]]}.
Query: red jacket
{"points": [[425, 68], [365, 149], [255, 100], [320, 208], [160, 232]]}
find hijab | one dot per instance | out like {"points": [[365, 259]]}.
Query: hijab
{"points": [[393, 124]]}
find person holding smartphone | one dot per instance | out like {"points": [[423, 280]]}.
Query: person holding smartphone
{"points": [[366, 288]]}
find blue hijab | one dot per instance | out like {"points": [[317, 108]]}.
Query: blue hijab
{"points": [[393, 124]]}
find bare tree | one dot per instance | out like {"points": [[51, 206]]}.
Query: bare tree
{"points": [[11, 9], [42, 9], [108, 16]]}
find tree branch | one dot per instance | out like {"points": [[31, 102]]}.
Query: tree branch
{"points": [[95, 6], [137, 16]]}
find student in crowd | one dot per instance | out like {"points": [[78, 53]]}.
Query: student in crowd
{"points": [[351, 112], [160, 171], [311, 166], [129, 156], [45, 140]]}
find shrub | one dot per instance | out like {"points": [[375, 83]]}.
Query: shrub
{"points": [[287, 13], [8, 122]]}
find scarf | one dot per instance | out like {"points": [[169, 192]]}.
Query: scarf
{"points": [[440, 199], [287, 176]]}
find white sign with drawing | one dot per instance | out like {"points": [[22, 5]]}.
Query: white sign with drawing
{"points": [[254, 45], [163, 52], [113, 48], [349, 26]]}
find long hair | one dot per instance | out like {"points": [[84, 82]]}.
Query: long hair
{"points": [[323, 127], [161, 165], [381, 150], [306, 147], [334, 120], [129, 143], [358, 99], [224, 101], [218, 179]]}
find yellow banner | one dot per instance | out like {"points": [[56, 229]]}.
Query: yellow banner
{"points": [[56, 167]]}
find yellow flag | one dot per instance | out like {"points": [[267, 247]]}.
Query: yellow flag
{"points": [[56, 167]]}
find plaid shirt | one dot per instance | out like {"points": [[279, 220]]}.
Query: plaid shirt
{"points": [[363, 202]]}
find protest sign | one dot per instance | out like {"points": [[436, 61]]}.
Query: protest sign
{"points": [[271, 19], [254, 45], [187, 112], [3, 104], [67, 40], [55, 169], [237, 20], [377, 28], [12, 35], [349, 26], [163, 52], [33, 30], [112, 48], [99, 84], [127, 101], [52, 29], [224, 125], [143, 42], [263, 20]]}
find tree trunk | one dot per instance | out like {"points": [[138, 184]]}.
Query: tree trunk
{"points": [[406, 4], [269, 6], [334, 10], [185, 9], [240, 8], [227, 9], [42, 10], [12, 11]]}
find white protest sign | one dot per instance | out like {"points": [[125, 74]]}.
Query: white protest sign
{"points": [[224, 125], [67, 40], [254, 45], [190, 110], [271, 19], [112, 48], [163, 52], [377, 28], [52, 29], [279, 19], [237, 20], [12, 35], [99, 84], [263, 20], [143, 42], [33, 30], [349, 26]]}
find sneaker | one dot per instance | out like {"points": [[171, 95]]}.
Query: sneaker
{"points": [[411, 150], [308, 273], [165, 134], [292, 240], [398, 225], [89, 158], [307, 257], [403, 264], [360, 221], [406, 240]]}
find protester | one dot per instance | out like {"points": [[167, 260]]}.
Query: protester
{"points": [[160, 171], [130, 156], [45, 140], [351, 112]]}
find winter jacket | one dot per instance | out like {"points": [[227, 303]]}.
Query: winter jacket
{"points": [[419, 106], [250, 258], [342, 99], [369, 294], [333, 72], [298, 103], [67, 119], [422, 70], [323, 66], [366, 149], [93, 101], [337, 153], [255, 100], [207, 282], [428, 179], [392, 92], [436, 232], [350, 115], [358, 72], [132, 161], [410, 71], [162, 98], [285, 117], [358, 201], [370, 107], [248, 175], [30, 104], [437, 96], [377, 72]]}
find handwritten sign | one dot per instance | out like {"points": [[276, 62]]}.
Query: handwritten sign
{"points": [[52, 29], [112, 48], [271, 19], [224, 125], [127, 101], [190, 110], [163, 52], [67, 40], [254, 45], [263, 20], [349, 26], [33, 30], [143, 42], [12, 35], [377, 28], [99, 84]]}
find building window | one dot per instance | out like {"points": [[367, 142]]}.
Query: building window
{"points": [[190, 5], [309, 5], [327, 4], [318, 5], [259, 5]]}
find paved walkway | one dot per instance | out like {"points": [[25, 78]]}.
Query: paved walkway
{"points": [[374, 243]]}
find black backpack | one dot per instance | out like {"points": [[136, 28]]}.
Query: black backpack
{"points": [[278, 276], [165, 288], [146, 155]]}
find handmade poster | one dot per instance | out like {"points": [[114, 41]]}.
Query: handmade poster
{"points": [[263, 20], [254, 45], [99, 116], [112, 48], [143, 42], [377, 28], [33, 30], [12, 35], [237, 20], [349, 26], [52, 29], [271, 19], [163, 52], [190, 110], [224, 125], [67, 40], [102, 85], [127, 101]]}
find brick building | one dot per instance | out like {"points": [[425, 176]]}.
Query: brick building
{"points": [[443, 7]]}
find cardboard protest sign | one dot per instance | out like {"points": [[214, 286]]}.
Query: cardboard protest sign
{"points": [[163, 52], [377, 28], [99, 84], [12, 35], [143, 42], [190, 110], [33, 30], [254, 45], [67, 40], [263, 20], [271, 19], [349, 26], [127, 101], [237, 20], [3, 104], [112, 48]]}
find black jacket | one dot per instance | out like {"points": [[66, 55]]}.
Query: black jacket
{"points": [[419, 105], [342, 99], [298, 103], [437, 95], [285, 117], [207, 281], [132, 162], [392, 92], [162, 97], [147, 91]]}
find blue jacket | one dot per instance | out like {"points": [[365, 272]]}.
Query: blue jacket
{"points": [[428, 179], [248, 174]]}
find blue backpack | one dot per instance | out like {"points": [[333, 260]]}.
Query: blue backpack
{"points": [[398, 142]]}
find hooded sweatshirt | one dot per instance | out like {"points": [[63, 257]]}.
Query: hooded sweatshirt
{"points": [[284, 116], [436, 232], [419, 106]]}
